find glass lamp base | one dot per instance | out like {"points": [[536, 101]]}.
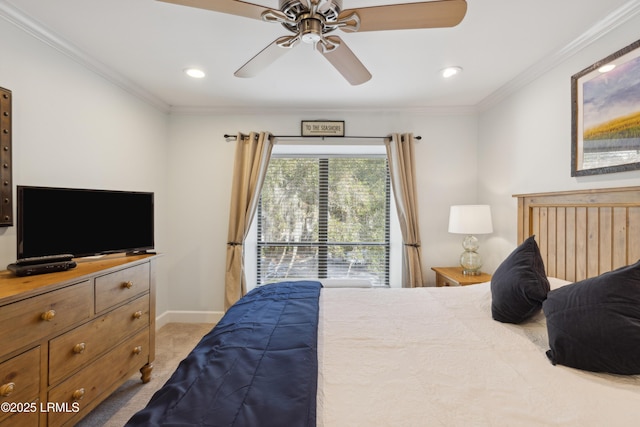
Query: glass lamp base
{"points": [[471, 262]]}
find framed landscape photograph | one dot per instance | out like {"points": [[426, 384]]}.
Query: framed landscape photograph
{"points": [[605, 107]]}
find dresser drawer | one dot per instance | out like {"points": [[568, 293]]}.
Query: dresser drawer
{"points": [[117, 287], [34, 318], [80, 346], [20, 381], [98, 378], [23, 419], [444, 281]]}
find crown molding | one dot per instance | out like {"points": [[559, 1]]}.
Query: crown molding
{"points": [[607, 24], [239, 110], [34, 28]]}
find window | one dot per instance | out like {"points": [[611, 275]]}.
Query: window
{"points": [[325, 216]]}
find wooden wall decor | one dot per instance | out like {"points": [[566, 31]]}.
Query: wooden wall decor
{"points": [[6, 185]]}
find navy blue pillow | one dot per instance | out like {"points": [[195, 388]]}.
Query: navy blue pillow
{"points": [[519, 285], [594, 324]]}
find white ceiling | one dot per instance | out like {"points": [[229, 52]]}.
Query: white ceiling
{"points": [[144, 46]]}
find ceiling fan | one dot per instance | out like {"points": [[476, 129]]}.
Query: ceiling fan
{"points": [[313, 21]]}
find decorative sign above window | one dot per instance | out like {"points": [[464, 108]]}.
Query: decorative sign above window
{"points": [[322, 128]]}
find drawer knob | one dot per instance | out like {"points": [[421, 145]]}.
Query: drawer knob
{"points": [[48, 315], [79, 348], [7, 389], [137, 314], [137, 349], [78, 394], [128, 284]]}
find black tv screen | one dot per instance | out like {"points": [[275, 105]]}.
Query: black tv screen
{"points": [[82, 222]]}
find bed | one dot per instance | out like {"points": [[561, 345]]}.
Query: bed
{"points": [[297, 354]]}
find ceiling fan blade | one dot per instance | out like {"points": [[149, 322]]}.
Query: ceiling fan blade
{"points": [[346, 62], [233, 7], [266, 57], [407, 16]]}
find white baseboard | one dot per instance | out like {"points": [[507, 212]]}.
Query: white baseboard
{"points": [[188, 317]]}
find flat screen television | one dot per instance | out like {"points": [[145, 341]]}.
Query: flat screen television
{"points": [[82, 222]]}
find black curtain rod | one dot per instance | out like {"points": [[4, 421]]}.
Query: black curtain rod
{"points": [[227, 136]]}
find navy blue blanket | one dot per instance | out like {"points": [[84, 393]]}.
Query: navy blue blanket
{"points": [[257, 367]]}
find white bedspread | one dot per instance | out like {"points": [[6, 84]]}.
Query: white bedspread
{"points": [[435, 357]]}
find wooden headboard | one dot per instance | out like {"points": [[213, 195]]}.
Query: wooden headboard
{"points": [[583, 233]]}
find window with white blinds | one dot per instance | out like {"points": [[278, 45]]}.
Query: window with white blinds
{"points": [[325, 216]]}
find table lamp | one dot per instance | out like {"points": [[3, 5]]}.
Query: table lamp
{"points": [[470, 220]]}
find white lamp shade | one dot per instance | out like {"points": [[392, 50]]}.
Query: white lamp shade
{"points": [[470, 219]]}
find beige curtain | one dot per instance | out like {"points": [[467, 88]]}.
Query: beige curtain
{"points": [[251, 160], [400, 149]]}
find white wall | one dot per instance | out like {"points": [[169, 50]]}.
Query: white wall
{"points": [[200, 183], [72, 128], [524, 143]]}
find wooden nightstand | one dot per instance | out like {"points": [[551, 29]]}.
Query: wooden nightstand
{"points": [[453, 276]]}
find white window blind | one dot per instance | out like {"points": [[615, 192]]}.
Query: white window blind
{"points": [[326, 217]]}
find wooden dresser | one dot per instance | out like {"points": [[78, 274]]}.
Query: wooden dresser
{"points": [[69, 339]]}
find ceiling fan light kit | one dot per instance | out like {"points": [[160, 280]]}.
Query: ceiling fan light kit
{"points": [[312, 22]]}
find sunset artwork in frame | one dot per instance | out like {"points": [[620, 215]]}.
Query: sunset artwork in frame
{"points": [[605, 104]]}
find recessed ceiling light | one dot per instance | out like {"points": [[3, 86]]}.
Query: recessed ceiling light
{"points": [[607, 68], [450, 72], [195, 73]]}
